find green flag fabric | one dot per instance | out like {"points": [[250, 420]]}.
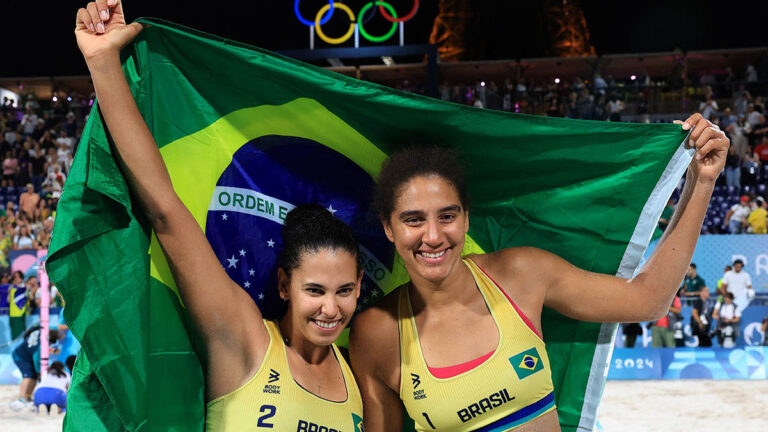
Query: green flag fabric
{"points": [[247, 135]]}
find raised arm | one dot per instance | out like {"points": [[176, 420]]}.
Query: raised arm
{"points": [[604, 298], [226, 317]]}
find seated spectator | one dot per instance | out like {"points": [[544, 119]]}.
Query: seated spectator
{"points": [[762, 149], [693, 284], [736, 218], [51, 394], [24, 239], [29, 200], [10, 212], [701, 319], [728, 316], [758, 217]]}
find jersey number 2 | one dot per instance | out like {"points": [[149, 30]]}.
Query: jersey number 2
{"points": [[270, 412]]}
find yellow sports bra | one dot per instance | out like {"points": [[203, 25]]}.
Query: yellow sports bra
{"points": [[512, 387], [273, 401]]}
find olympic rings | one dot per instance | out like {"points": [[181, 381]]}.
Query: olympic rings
{"points": [[381, 4], [306, 21], [326, 12], [394, 17], [338, 40]]}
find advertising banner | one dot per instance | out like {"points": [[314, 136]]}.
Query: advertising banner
{"points": [[748, 363]]}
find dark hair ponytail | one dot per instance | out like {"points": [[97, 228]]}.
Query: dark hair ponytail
{"points": [[57, 369], [310, 228]]}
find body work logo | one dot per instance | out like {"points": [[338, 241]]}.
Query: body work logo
{"points": [[526, 363], [268, 177], [273, 376]]}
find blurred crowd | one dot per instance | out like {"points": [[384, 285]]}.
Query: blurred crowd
{"points": [[37, 147]]}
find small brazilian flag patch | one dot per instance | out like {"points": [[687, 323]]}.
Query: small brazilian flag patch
{"points": [[358, 421], [526, 363]]}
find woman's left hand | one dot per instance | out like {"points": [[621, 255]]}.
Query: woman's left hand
{"points": [[711, 147]]}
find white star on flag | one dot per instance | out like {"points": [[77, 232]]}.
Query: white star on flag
{"points": [[232, 261], [251, 272], [270, 243], [224, 216], [332, 210], [247, 284], [261, 296], [242, 252]]}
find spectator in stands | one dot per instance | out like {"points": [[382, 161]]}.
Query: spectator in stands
{"points": [[759, 217], [600, 84], [56, 300], [615, 107], [736, 218], [709, 107], [29, 122], [762, 149], [46, 141], [65, 139], [693, 284], [24, 239], [754, 117], [10, 212], [5, 146], [662, 332], [739, 283], [70, 126], [631, 332], [701, 319], [18, 301], [10, 166], [742, 100], [727, 119], [733, 168], [728, 315], [51, 394], [37, 166], [28, 201]]}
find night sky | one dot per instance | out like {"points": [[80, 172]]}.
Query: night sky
{"points": [[38, 38]]}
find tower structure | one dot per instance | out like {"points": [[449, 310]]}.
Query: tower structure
{"points": [[448, 29], [567, 28]]}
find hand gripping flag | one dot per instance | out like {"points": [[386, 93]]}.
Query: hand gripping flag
{"points": [[247, 135]]}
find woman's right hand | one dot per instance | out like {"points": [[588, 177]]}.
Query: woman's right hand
{"points": [[101, 30]]}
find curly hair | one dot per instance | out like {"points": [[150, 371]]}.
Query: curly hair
{"points": [[410, 162]]}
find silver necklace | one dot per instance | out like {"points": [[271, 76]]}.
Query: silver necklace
{"points": [[309, 365]]}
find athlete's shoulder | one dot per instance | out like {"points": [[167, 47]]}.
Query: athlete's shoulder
{"points": [[506, 262], [378, 318], [374, 344]]}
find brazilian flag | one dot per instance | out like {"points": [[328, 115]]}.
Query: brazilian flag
{"points": [[247, 135]]}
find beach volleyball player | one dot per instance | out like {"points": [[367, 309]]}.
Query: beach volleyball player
{"points": [[461, 344], [260, 374]]}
